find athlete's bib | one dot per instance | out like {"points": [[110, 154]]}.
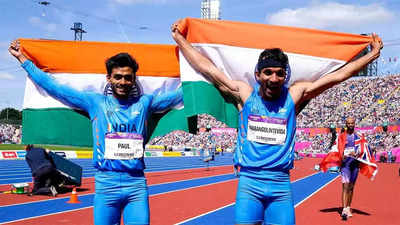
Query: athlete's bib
{"points": [[123, 146], [348, 151], [266, 130]]}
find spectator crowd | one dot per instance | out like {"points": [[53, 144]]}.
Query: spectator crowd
{"points": [[10, 134], [204, 139], [371, 101]]}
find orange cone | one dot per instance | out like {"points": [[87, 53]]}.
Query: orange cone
{"points": [[74, 197]]}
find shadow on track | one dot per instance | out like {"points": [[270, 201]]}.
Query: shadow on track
{"points": [[338, 210]]}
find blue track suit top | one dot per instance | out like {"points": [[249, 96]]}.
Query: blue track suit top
{"points": [[259, 159], [108, 115]]}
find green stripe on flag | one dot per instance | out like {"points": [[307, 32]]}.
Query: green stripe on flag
{"points": [[61, 126], [56, 126], [201, 97]]}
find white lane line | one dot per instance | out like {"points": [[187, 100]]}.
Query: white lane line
{"points": [[204, 214]]}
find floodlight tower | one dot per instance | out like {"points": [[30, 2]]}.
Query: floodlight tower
{"points": [[78, 31], [211, 9]]}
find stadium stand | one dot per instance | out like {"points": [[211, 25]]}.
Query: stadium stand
{"points": [[10, 134]]}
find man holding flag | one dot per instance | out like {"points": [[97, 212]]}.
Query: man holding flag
{"points": [[119, 124], [351, 153], [267, 125]]}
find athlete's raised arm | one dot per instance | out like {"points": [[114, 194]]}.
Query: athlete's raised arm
{"points": [[238, 89], [64, 93], [303, 91]]}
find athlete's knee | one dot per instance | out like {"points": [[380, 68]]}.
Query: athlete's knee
{"points": [[349, 187], [346, 187]]}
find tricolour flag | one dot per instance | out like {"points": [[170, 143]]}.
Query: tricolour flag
{"points": [[234, 48], [81, 65], [368, 166]]}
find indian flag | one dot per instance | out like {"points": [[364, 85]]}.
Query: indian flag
{"points": [[81, 65], [234, 48]]}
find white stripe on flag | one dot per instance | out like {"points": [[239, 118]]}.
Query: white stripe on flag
{"points": [[238, 63], [36, 98]]}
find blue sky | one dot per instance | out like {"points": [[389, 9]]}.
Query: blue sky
{"points": [[148, 21]]}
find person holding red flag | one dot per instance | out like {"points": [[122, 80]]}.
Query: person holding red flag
{"points": [[351, 153]]}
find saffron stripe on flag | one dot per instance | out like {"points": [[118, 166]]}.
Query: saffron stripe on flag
{"points": [[57, 56]]}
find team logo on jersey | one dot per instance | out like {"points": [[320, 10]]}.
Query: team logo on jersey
{"points": [[135, 113], [254, 110], [282, 110]]}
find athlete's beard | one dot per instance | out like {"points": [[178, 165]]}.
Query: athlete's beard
{"points": [[124, 94], [271, 91], [350, 130]]}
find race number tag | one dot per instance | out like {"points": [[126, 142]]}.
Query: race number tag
{"points": [[266, 130], [123, 146], [348, 151]]}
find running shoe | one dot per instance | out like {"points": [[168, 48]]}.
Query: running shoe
{"points": [[344, 214], [348, 212]]}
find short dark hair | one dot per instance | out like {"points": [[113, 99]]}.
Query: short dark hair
{"points": [[275, 54], [121, 60]]}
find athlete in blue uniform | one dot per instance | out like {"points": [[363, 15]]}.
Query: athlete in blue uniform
{"points": [[119, 131], [267, 124]]}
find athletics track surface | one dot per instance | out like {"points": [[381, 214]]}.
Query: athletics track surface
{"points": [[183, 191]]}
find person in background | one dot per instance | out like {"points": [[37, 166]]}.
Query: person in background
{"points": [[350, 166], [45, 175]]}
